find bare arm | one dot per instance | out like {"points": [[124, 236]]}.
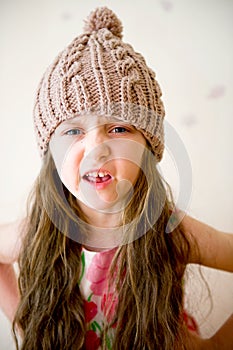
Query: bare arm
{"points": [[10, 242], [215, 248], [212, 248]]}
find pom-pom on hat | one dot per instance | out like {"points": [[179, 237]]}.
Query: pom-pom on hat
{"points": [[99, 73], [103, 18]]}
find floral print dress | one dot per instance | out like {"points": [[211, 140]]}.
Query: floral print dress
{"points": [[94, 288]]}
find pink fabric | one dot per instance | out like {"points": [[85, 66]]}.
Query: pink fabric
{"points": [[100, 303], [98, 270]]}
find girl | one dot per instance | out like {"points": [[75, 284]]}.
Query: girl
{"points": [[97, 268]]}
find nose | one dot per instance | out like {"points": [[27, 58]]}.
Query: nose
{"points": [[96, 145]]}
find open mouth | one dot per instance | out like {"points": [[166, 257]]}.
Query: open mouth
{"points": [[97, 177]]}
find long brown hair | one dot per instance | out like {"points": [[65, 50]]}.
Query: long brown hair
{"points": [[147, 269]]}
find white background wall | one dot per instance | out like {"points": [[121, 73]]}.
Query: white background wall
{"points": [[189, 45]]}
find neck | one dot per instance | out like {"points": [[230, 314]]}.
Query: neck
{"points": [[104, 229]]}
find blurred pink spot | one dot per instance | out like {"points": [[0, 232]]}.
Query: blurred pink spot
{"points": [[217, 91], [167, 5], [66, 16], [189, 120]]}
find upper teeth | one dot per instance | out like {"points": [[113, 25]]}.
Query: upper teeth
{"points": [[97, 174]]}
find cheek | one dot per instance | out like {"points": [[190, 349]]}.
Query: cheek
{"points": [[130, 171], [135, 173], [70, 166]]}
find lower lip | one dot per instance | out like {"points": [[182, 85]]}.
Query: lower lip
{"points": [[100, 185]]}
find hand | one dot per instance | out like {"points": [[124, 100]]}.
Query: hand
{"points": [[9, 294], [194, 342], [10, 245], [10, 241], [222, 339]]}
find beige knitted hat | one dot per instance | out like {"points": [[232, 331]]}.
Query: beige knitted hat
{"points": [[99, 73]]}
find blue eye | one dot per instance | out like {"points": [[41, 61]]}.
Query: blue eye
{"points": [[73, 132]]}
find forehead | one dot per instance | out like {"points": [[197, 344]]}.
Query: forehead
{"points": [[89, 121]]}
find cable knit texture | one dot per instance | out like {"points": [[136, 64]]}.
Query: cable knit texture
{"points": [[99, 73]]}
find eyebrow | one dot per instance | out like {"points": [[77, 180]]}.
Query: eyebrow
{"points": [[74, 120], [69, 122]]}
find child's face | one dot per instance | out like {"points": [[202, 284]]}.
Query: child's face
{"points": [[98, 159]]}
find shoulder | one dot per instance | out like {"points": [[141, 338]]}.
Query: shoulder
{"points": [[10, 240], [209, 246]]}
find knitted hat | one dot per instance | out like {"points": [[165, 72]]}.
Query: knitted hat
{"points": [[99, 73]]}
